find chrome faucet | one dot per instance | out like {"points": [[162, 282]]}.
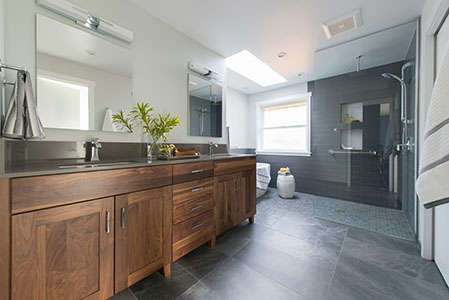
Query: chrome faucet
{"points": [[95, 145], [211, 147]]}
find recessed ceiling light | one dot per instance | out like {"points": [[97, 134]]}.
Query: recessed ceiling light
{"points": [[249, 66], [91, 52], [281, 54], [301, 74]]}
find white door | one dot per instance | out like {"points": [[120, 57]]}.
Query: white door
{"points": [[441, 237]]}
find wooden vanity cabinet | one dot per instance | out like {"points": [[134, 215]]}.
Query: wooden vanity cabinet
{"points": [[235, 192], [142, 235], [65, 252]]}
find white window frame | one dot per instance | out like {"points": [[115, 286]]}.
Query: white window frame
{"points": [[260, 106]]}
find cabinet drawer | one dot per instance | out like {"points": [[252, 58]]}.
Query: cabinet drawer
{"points": [[192, 198], [192, 171], [191, 208], [192, 233], [192, 190], [31, 193], [229, 166]]}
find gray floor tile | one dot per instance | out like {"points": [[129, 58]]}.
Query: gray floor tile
{"points": [[202, 260], [341, 289], [157, 287], [319, 255], [234, 280], [200, 292], [382, 240], [306, 279], [389, 283], [396, 260], [124, 295], [229, 244], [318, 232], [246, 230]]}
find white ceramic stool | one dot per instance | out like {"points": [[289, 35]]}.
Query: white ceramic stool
{"points": [[286, 185]]}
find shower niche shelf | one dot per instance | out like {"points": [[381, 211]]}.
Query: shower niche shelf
{"points": [[351, 126]]}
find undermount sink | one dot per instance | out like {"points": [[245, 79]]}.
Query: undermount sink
{"points": [[93, 164]]}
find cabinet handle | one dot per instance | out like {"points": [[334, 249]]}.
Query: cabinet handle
{"points": [[197, 189], [108, 222], [197, 226], [197, 171], [196, 208], [123, 217]]}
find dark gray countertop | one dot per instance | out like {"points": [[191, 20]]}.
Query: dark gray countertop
{"points": [[50, 167]]}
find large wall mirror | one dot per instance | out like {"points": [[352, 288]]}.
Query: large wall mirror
{"points": [[81, 77], [205, 107]]}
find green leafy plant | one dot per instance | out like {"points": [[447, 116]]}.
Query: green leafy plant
{"points": [[123, 123], [157, 126]]}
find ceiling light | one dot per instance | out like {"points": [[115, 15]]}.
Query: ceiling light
{"points": [[301, 74], [249, 66], [281, 54]]}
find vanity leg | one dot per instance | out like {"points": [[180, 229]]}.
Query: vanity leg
{"points": [[211, 243], [166, 271], [251, 220]]}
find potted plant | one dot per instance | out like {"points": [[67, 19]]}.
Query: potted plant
{"points": [[158, 127]]}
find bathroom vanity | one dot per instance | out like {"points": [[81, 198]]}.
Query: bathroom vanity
{"points": [[84, 234]]}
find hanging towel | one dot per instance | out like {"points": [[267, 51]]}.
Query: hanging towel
{"points": [[432, 184], [22, 120], [108, 125]]}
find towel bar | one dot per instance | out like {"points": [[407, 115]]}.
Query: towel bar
{"points": [[368, 152], [4, 83]]}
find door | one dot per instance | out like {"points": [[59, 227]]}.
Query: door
{"points": [[441, 213], [225, 194], [245, 202], [143, 219], [64, 252]]}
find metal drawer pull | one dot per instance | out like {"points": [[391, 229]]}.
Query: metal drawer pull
{"points": [[197, 226], [196, 208], [123, 217], [108, 222], [197, 171], [197, 189]]}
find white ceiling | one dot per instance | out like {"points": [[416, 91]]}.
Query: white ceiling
{"points": [[70, 43], [268, 27]]}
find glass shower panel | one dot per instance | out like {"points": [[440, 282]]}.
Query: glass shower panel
{"points": [[356, 121]]}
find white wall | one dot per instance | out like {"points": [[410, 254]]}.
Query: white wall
{"points": [[432, 15], [160, 59], [296, 89], [237, 118]]}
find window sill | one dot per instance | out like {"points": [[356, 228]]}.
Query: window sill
{"points": [[280, 153]]}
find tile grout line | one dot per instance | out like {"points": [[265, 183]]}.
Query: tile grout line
{"points": [[336, 263]]}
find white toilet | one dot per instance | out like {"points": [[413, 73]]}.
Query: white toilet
{"points": [[263, 178]]}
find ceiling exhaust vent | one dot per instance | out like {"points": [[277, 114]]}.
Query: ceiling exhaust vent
{"points": [[342, 24]]}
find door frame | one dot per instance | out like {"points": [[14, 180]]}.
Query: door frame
{"points": [[437, 10]]}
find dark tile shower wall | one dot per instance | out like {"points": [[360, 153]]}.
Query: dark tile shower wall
{"points": [[326, 175]]}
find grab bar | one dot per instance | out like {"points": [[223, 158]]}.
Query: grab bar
{"points": [[369, 152]]}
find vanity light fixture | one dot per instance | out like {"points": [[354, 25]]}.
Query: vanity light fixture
{"points": [[248, 65], [83, 18]]}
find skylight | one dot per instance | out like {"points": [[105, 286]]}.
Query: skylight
{"points": [[249, 66]]}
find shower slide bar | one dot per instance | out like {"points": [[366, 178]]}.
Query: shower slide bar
{"points": [[369, 152], [4, 82]]}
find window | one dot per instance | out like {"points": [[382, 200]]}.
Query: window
{"points": [[284, 126]]}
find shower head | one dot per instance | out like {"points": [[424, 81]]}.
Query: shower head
{"points": [[389, 75]]}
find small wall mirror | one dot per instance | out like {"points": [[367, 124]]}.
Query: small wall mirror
{"points": [[81, 78], [205, 107]]}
